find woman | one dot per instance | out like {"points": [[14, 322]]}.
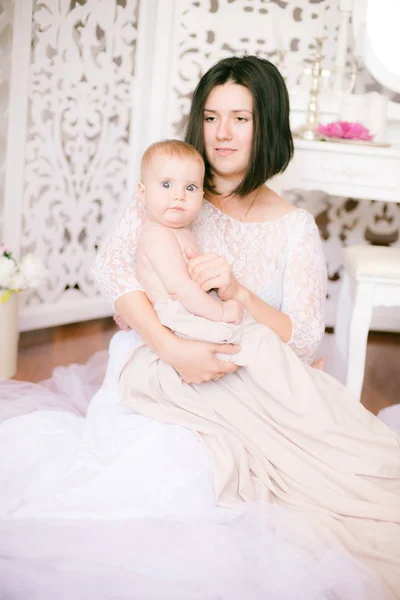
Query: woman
{"points": [[239, 122], [174, 542]]}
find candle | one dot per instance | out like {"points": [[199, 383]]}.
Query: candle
{"points": [[346, 5], [321, 20], [359, 41], [278, 35]]}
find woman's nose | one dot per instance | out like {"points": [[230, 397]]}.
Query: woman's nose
{"points": [[224, 130]]}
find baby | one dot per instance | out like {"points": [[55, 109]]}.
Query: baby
{"points": [[171, 190]]}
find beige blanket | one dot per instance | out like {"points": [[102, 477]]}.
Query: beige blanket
{"points": [[279, 431]]}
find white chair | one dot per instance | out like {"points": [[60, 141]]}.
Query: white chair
{"points": [[371, 278]]}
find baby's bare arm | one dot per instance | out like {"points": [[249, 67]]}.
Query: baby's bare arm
{"points": [[164, 253]]}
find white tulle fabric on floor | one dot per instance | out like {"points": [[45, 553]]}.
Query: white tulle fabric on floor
{"points": [[70, 388], [114, 505], [183, 559]]}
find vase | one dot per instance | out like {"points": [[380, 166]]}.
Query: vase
{"points": [[9, 334]]}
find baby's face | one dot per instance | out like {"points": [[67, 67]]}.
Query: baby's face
{"points": [[172, 189]]}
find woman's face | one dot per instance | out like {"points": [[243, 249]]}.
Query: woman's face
{"points": [[228, 130]]}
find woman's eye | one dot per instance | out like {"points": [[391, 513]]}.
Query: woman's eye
{"points": [[210, 119], [191, 187], [166, 184], [242, 119]]}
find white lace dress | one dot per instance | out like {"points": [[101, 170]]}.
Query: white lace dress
{"points": [[116, 506], [281, 261]]}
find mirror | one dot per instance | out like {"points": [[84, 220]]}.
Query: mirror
{"points": [[377, 40]]}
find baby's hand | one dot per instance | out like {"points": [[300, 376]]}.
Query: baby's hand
{"points": [[232, 312]]}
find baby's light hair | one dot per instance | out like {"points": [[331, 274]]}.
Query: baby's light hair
{"points": [[170, 148]]}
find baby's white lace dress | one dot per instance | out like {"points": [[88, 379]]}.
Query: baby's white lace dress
{"points": [[281, 261]]}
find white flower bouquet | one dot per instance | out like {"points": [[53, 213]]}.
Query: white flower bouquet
{"points": [[16, 276]]}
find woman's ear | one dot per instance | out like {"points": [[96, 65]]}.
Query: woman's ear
{"points": [[140, 191]]}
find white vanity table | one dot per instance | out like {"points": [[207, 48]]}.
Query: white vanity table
{"points": [[352, 170], [348, 170], [360, 171]]}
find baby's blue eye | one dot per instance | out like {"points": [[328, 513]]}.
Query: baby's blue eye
{"points": [[191, 187], [166, 184]]}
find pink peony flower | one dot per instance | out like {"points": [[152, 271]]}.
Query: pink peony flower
{"points": [[345, 130]]}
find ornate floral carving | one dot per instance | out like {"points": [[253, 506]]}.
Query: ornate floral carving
{"points": [[208, 31], [77, 153]]}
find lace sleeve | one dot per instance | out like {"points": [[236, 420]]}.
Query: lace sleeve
{"points": [[304, 291], [114, 268]]}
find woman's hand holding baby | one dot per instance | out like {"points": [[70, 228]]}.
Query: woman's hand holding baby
{"points": [[196, 362], [211, 271]]}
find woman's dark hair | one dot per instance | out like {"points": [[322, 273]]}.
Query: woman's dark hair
{"points": [[272, 146]]}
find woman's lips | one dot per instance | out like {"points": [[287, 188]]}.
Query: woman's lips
{"points": [[225, 151]]}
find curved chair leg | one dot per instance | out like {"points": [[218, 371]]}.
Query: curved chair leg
{"points": [[342, 323], [343, 312], [360, 321]]}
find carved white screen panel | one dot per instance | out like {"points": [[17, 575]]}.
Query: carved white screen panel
{"points": [[206, 31], [6, 17], [77, 154]]}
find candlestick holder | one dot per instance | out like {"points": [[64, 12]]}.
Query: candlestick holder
{"points": [[356, 66], [280, 65], [309, 130]]}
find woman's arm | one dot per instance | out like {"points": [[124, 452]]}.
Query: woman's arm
{"points": [[139, 314], [264, 313], [304, 291], [114, 268], [212, 271], [300, 320], [194, 361], [115, 273]]}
